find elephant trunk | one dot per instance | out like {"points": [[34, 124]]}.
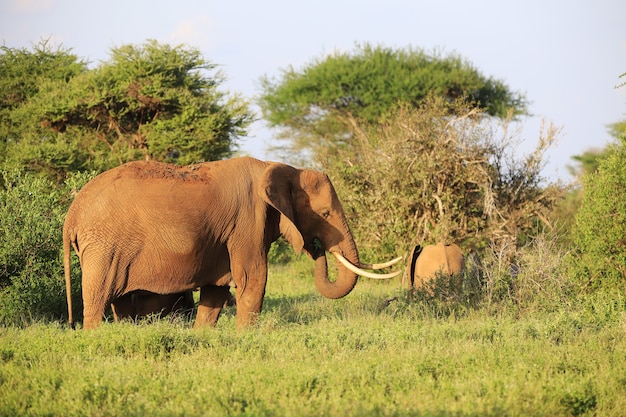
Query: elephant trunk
{"points": [[346, 279]]}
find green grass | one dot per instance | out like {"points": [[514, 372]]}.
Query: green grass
{"points": [[309, 356]]}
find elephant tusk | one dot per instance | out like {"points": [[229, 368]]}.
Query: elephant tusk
{"points": [[361, 272], [383, 265]]}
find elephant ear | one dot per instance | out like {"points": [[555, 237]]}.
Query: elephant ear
{"points": [[275, 188]]}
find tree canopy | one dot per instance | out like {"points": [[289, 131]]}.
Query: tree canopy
{"points": [[22, 75], [310, 104], [148, 101]]}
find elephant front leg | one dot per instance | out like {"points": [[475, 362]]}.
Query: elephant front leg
{"points": [[212, 300], [250, 301], [248, 268]]}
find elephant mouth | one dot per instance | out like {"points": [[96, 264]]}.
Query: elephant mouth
{"points": [[316, 249]]}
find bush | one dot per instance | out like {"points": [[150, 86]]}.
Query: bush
{"points": [[601, 223], [532, 277], [32, 211], [281, 252], [443, 172]]}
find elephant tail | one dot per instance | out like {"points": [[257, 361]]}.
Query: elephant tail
{"points": [[68, 276], [417, 251]]}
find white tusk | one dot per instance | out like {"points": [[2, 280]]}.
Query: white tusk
{"points": [[362, 273], [383, 265]]}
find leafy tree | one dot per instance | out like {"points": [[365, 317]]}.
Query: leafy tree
{"points": [[311, 104], [22, 74], [147, 102], [617, 129], [425, 176], [585, 164]]}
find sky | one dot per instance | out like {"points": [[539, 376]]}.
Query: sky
{"points": [[566, 56]]}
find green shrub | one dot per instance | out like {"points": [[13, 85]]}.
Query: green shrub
{"points": [[281, 252], [601, 223], [532, 277], [540, 279], [32, 211]]}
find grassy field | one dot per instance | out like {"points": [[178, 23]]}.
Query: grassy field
{"points": [[309, 356]]}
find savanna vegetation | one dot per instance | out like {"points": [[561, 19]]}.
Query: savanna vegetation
{"points": [[421, 148], [309, 356]]}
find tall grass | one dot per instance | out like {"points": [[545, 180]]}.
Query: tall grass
{"points": [[366, 354]]}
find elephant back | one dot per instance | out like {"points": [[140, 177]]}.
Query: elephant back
{"points": [[437, 259]]}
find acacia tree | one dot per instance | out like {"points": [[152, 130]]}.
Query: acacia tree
{"points": [[310, 105], [22, 74], [149, 101]]}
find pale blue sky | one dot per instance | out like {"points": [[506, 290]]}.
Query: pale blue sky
{"points": [[566, 56]]}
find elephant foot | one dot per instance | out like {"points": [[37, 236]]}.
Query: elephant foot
{"points": [[92, 322], [93, 315]]}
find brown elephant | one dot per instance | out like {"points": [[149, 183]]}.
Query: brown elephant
{"points": [[166, 229], [425, 263]]}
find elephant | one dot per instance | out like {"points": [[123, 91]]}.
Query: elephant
{"points": [[426, 262], [162, 228]]}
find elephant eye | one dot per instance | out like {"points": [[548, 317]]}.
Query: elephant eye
{"points": [[326, 214]]}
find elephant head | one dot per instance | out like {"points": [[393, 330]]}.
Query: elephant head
{"points": [[425, 263], [313, 221]]}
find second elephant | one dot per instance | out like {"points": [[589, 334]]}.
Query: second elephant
{"points": [[425, 263]]}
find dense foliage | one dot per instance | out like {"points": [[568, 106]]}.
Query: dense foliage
{"points": [[425, 176], [601, 221], [149, 101], [32, 211], [23, 73], [309, 103]]}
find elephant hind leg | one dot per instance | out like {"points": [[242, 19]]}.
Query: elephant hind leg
{"points": [[94, 307], [99, 278]]}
